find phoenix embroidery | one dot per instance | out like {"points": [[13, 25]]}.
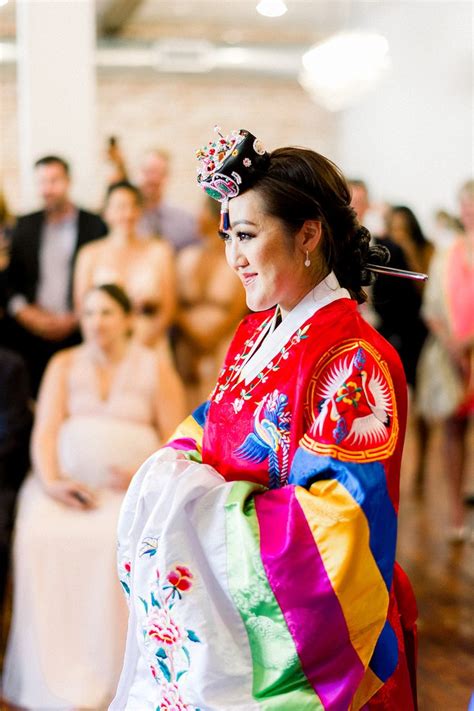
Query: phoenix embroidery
{"points": [[270, 438]]}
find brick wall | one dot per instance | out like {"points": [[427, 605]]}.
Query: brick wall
{"points": [[146, 109]]}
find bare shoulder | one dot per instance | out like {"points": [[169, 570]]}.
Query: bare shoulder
{"points": [[62, 360], [90, 250]]}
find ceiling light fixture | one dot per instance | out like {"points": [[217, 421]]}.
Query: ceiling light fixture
{"points": [[344, 68], [272, 8]]}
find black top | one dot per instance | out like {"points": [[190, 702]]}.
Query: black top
{"points": [[398, 303], [23, 271]]}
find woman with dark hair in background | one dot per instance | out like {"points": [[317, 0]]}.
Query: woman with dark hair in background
{"points": [[258, 547], [103, 407], [405, 230]]}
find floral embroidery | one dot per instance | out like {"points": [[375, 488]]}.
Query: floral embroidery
{"points": [[180, 579], [171, 699], [125, 569], [165, 639], [262, 377], [270, 438], [234, 369]]}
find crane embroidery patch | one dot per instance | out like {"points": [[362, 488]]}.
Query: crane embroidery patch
{"points": [[351, 405]]}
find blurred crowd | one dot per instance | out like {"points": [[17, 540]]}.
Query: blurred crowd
{"points": [[112, 328]]}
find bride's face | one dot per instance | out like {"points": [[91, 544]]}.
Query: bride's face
{"points": [[104, 323]]}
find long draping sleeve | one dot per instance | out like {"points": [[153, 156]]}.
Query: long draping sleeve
{"points": [[327, 540], [246, 598], [187, 438]]}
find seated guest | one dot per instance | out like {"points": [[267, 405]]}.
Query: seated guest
{"points": [[15, 425], [211, 301], [146, 269], [43, 250], [103, 407]]}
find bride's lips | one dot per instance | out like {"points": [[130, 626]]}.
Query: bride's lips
{"points": [[248, 278]]}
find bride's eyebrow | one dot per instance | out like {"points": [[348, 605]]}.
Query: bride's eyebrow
{"points": [[243, 222]]}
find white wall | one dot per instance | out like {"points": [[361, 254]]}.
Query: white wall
{"points": [[412, 139]]}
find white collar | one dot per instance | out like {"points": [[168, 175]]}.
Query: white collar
{"points": [[323, 294]]}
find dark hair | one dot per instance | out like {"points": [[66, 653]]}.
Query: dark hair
{"points": [[301, 185], [116, 293], [51, 160], [412, 224], [124, 185]]}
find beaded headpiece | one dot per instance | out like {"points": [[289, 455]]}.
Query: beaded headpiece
{"points": [[230, 165]]}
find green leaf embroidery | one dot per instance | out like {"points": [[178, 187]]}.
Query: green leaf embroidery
{"points": [[165, 670], [193, 636], [145, 604]]}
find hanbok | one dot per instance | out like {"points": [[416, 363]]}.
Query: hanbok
{"points": [[257, 549]]}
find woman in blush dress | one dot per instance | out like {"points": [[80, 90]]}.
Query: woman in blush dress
{"points": [[103, 407], [145, 268]]}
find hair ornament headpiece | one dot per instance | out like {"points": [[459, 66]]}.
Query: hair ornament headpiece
{"points": [[230, 165]]}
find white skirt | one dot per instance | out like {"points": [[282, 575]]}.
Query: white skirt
{"points": [[69, 622]]}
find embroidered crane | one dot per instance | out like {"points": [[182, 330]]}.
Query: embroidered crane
{"points": [[357, 402], [270, 438]]}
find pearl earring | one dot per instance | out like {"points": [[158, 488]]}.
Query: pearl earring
{"points": [[307, 261]]}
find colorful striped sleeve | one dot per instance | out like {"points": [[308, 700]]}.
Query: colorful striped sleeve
{"points": [[187, 438], [326, 545]]}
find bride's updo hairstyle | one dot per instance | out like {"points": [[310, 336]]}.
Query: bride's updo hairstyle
{"points": [[299, 185], [295, 185]]}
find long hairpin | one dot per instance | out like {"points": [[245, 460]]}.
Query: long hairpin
{"points": [[391, 271]]}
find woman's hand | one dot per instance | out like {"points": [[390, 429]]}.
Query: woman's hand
{"points": [[119, 478], [71, 493]]}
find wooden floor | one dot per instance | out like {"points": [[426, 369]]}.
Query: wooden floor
{"points": [[443, 578]]}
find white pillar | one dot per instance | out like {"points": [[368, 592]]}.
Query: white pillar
{"points": [[57, 92]]}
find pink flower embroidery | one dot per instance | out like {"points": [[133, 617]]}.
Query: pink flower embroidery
{"points": [[171, 699], [162, 629], [180, 578]]}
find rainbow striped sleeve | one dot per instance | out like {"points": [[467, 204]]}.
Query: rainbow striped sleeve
{"points": [[187, 437], [310, 567]]}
